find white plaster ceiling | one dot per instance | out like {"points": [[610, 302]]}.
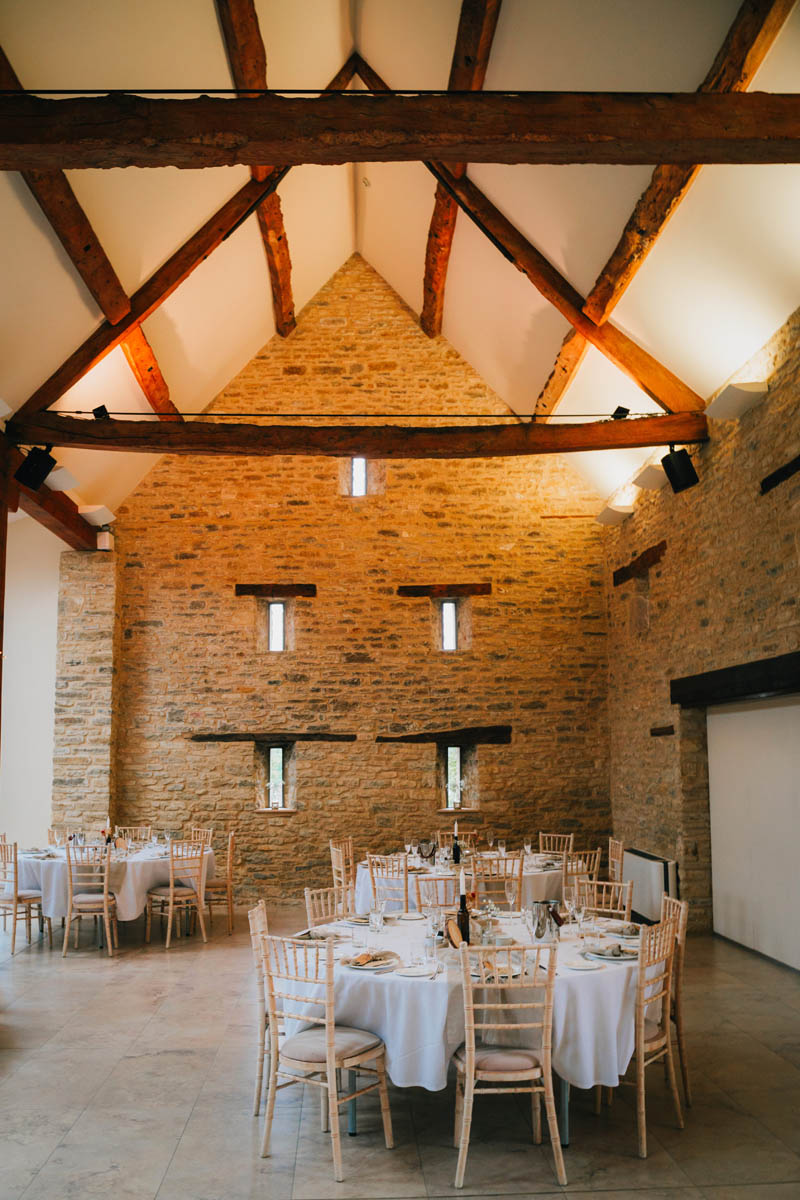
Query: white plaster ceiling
{"points": [[723, 277]]}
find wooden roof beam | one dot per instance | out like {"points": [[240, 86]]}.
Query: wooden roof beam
{"points": [[340, 441], [750, 37], [54, 510], [122, 130], [476, 27]]}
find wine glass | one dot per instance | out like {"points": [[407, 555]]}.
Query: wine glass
{"points": [[490, 838], [408, 847], [527, 846], [501, 848], [569, 902], [580, 913], [511, 893]]}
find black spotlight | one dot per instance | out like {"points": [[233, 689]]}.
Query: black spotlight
{"points": [[679, 470], [620, 413], [100, 413], [34, 468]]}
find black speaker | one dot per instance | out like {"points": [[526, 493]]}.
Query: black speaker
{"points": [[34, 468], [679, 470]]}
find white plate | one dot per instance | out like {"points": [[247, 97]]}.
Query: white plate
{"points": [[625, 957], [580, 964], [411, 916], [385, 964], [419, 972]]}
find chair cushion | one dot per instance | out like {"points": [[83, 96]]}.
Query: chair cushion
{"points": [[181, 893], [309, 1046], [501, 1059], [653, 1033]]}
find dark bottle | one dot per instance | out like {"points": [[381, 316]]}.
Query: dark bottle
{"points": [[456, 850], [555, 914], [463, 919]]}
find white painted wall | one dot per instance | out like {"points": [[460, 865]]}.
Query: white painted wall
{"points": [[754, 779], [29, 676]]}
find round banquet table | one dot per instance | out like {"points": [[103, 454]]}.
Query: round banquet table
{"points": [[537, 884], [130, 879], [421, 1020]]}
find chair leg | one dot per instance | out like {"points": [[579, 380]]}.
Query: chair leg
{"points": [[459, 1109], [386, 1112], [115, 927], [598, 1099], [230, 911], [536, 1115], [202, 920], [687, 1090], [466, 1124], [273, 1079], [641, 1121], [336, 1136], [107, 923], [49, 931], [555, 1135], [28, 922], [262, 1037], [210, 905], [13, 929], [67, 924], [673, 1084], [169, 925], [77, 921], [148, 920], [324, 1110]]}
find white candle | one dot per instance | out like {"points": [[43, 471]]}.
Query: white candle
{"points": [[462, 884], [455, 828]]}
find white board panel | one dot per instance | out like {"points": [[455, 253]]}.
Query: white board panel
{"points": [[754, 784]]}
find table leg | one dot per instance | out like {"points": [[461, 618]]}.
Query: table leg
{"points": [[563, 1110], [352, 1108]]}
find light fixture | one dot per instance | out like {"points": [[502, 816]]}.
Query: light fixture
{"points": [[61, 480], [97, 514], [620, 413], [105, 539], [679, 470], [651, 477], [613, 514], [35, 467], [735, 400], [101, 413]]}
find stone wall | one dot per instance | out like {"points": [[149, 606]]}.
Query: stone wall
{"points": [[725, 592], [363, 660]]}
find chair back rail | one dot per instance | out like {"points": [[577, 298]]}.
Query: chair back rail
{"points": [[605, 898], [490, 874], [329, 904], [616, 851], [342, 862], [555, 842], [198, 834], [438, 891], [389, 877]]}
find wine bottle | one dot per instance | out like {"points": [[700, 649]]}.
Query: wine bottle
{"points": [[456, 850], [463, 918]]}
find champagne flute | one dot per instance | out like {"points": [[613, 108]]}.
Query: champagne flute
{"points": [[527, 846], [490, 838], [569, 902], [511, 893], [501, 848]]}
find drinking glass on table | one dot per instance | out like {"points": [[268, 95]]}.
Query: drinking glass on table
{"points": [[490, 838], [376, 919], [569, 902], [501, 848], [580, 913], [527, 846], [511, 893], [407, 846]]}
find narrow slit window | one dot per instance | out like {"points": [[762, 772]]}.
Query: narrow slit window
{"points": [[453, 779], [358, 477], [449, 625], [277, 625], [276, 777]]}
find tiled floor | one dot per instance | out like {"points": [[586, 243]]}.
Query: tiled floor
{"points": [[132, 1077]]}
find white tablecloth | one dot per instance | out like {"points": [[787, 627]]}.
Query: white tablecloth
{"points": [[129, 880], [537, 884], [421, 1020]]}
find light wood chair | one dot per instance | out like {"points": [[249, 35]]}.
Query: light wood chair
{"points": [[616, 850], [15, 900], [522, 1005], [343, 862], [134, 833], [185, 890], [605, 898], [436, 891], [316, 1056], [653, 1036], [467, 840], [490, 874], [221, 890], [555, 843], [259, 927], [329, 904], [197, 834], [389, 877], [678, 910], [577, 864], [87, 893]]}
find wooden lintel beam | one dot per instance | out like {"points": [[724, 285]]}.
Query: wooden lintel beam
{"points": [[122, 130], [639, 566], [668, 391], [54, 510], [470, 735], [443, 591], [342, 441], [276, 591], [275, 739], [154, 292], [142, 362], [476, 27]]}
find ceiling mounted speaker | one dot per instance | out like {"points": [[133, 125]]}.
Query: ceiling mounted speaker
{"points": [[35, 468], [679, 470]]}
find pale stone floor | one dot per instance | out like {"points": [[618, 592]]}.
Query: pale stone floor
{"points": [[132, 1077]]}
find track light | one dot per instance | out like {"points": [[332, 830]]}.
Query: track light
{"points": [[35, 467], [679, 470], [620, 413], [100, 413]]}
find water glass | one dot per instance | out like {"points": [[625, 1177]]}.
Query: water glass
{"points": [[511, 893], [407, 847], [501, 849], [527, 846], [359, 939], [490, 838], [376, 919]]}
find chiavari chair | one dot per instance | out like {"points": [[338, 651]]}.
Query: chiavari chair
{"points": [[198, 834], [342, 862], [185, 890], [389, 877], [555, 843], [678, 910], [577, 864], [221, 889], [329, 904], [436, 891], [467, 840], [134, 833], [318, 1055], [88, 869], [605, 898], [507, 988], [259, 927], [490, 874], [14, 899], [616, 851]]}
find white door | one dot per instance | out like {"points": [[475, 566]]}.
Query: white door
{"points": [[754, 785]]}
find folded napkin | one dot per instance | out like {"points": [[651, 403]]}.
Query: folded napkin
{"points": [[623, 928], [371, 956], [610, 950]]}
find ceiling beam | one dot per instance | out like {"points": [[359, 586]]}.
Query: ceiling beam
{"points": [[142, 362], [154, 292], [750, 37], [476, 28], [247, 60], [668, 391], [54, 510], [122, 130], [338, 441]]}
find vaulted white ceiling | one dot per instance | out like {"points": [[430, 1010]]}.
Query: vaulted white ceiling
{"points": [[723, 277]]}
